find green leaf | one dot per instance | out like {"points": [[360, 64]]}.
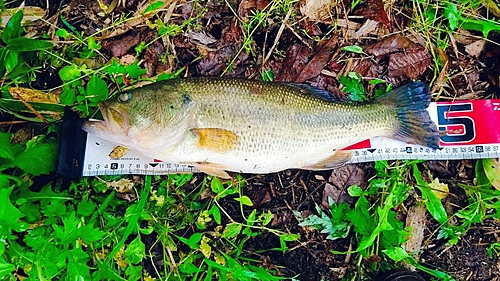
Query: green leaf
{"points": [[216, 214], [86, 207], [251, 218], [245, 200], [97, 89], [134, 71], [267, 75], [452, 14], [6, 149], [89, 234], [485, 26], [69, 73], [216, 185], [353, 49], [154, 6], [433, 204], [63, 33], [193, 241], [11, 60], [353, 86], [266, 218], [22, 44], [134, 272], [68, 96], [39, 159], [231, 230], [9, 215], [77, 265], [13, 27], [492, 171], [355, 191], [6, 269], [396, 253], [135, 251]]}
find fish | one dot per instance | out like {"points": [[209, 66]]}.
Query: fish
{"points": [[221, 125]]}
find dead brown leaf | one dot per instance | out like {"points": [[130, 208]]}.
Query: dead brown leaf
{"points": [[374, 10], [30, 14], [32, 95], [226, 49], [415, 222], [474, 49], [260, 197], [120, 46], [153, 53], [337, 194], [409, 63], [317, 10], [246, 6], [318, 62], [392, 44], [340, 179], [296, 58]]}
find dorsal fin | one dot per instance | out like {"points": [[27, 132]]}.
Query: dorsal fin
{"points": [[317, 92]]}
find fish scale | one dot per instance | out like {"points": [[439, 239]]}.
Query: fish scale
{"points": [[229, 124]]}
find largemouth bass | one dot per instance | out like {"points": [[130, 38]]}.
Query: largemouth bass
{"points": [[246, 126]]}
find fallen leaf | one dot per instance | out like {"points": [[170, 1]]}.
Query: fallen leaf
{"points": [[120, 46], [317, 10], [415, 223], [492, 7], [439, 189], [30, 14], [227, 48], [474, 49], [122, 185], [337, 194], [367, 68], [340, 179], [374, 10], [318, 62], [260, 197], [296, 59], [31, 95], [153, 53], [409, 63], [492, 171], [439, 167], [392, 44], [369, 27], [201, 37], [246, 6]]}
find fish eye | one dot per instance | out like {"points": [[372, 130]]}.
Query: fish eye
{"points": [[125, 97]]}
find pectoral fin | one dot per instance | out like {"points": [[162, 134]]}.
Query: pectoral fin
{"points": [[339, 158], [219, 140]]}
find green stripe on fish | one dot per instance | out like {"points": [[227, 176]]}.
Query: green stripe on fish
{"points": [[247, 126]]}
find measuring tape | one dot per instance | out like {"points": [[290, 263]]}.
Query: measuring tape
{"points": [[470, 130]]}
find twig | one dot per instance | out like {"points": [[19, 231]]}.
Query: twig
{"points": [[278, 36], [10, 123]]}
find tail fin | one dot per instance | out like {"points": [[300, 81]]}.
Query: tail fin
{"points": [[415, 125]]}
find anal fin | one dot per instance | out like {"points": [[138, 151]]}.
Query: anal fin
{"points": [[212, 169], [339, 158]]}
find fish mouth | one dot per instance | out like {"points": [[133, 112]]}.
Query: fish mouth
{"points": [[115, 122]]}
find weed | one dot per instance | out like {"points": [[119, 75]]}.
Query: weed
{"points": [[16, 51], [377, 231]]}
